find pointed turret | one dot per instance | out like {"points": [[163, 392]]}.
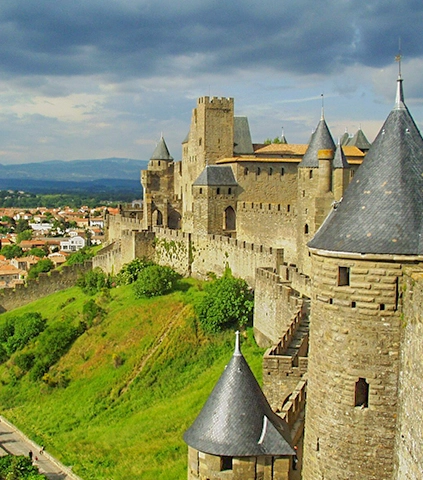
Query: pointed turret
{"points": [[382, 209], [359, 140], [339, 160], [345, 138], [237, 420], [320, 140], [161, 151]]}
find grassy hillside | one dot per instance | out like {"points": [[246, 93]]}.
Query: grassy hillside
{"points": [[136, 381]]}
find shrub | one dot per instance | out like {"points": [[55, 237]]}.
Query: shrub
{"points": [[80, 256], [227, 302], [130, 271], [92, 313], [93, 281], [42, 266], [155, 280], [25, 328], [24, 361], [19, 468]]}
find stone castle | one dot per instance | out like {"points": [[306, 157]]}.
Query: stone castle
{"points": [[338, 280]]}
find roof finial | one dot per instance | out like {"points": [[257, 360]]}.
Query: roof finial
{"points": [[237, 346], [399, 100], [323, 106]]}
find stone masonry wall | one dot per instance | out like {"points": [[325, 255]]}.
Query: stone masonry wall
{"points": [[46, 284], [354, 334], [410, 431], [274, 307]]}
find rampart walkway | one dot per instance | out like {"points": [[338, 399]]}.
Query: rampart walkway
{"points": [[13, 441]]}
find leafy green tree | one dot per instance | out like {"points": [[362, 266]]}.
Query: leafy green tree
{"points": [[11, 251], [228, 302], [43, 266], [37, 252], [25, 328], [93, 281], [19, 468], [24, 235], [22, 225], [130, 271], [155, 280], [80, 256]]}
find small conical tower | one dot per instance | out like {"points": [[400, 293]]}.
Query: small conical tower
{"points": [[341, 172], [237, 434], [360, 141], [314, 189], [158, 186], [359, 256]]}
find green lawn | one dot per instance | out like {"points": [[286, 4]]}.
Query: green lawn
{"points": [[137, 380]]}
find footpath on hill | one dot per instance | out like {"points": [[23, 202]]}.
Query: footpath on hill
{"points": [[13, 441]]}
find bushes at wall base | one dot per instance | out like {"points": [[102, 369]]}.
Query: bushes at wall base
{"points": [[227, 303], [155, 280]]}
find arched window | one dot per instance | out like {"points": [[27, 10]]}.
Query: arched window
{"points": [[306, 228], [174, 220], [157, 218], [229, 219]]}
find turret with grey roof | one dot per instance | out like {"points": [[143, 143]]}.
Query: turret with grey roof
{"points": [[339, 159], [161, 152], [320, 140], [382, 209], [359, 140], [237, 420]]}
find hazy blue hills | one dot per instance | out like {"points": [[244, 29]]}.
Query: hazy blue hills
{"points": [[58, 176]]}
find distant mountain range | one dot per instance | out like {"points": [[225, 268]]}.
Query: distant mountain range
{"points": [[104, 174]]}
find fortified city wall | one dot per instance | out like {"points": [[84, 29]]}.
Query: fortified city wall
{"points": [[409, 447]]}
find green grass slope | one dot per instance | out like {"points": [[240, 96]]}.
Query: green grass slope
{"points": [[136, 381]]}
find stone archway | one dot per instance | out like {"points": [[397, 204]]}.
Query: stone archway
{"points": [[230, 219], [174, 220], [157, 218]]}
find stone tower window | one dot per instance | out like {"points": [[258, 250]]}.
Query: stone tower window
{"points": [[200, 140], [288, 208], [226, 463], [270, 171], [361, 393], [282, 171], [218, 190], [201, 191], [229, 191], [310, 174], [258, 171], [245, 171], [343, 276], [306, 228]]}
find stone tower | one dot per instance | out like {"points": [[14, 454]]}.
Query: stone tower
{"points": [[214, 196], [314, 190], [359, 255], [236, 436], [210, 138], [158, 185]]}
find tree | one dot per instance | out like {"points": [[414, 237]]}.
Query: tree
{"points": [[19, 468], [130, 271], [24, 235], [228, 301], [155, 280], [80, 256], [93, 281], [42, 266], [22, 225], [11, 251]]}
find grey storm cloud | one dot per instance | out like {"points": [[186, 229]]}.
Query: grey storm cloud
{"points": [[135, 38]]}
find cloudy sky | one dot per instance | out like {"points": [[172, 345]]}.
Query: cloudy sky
{"points": [[100, 78]]}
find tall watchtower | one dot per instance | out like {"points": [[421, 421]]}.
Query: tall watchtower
{"points": [[358, 256], [210, 138]]}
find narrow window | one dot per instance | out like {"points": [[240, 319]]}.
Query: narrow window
{"points": [[200, 141], [279, 207], [270, 171], [353, 304], [306, 228], [382, 306], [310, 174], [288, 208], [245, 171], [282, 171], [343, 276], [362, 393], [303, 193], [159, 163], [229, 191], [258, 171], [225, 463], [218, 190], [201, 191]]}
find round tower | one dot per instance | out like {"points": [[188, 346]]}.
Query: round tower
{"points": [[358, 257], [237, 436]]}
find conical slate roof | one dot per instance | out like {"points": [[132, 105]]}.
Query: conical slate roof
{"points": [[216, 175], [345, 138], [237, 420], [339, 159], [161, 151], [320, 140], [242, 136], [382, 209], [359, 140]]}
